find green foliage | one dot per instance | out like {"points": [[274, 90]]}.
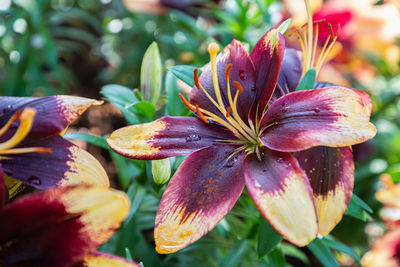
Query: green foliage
{"points": [[308, 81]]}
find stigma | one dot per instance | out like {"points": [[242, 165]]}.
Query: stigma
{"points": [[228, 115], [26, 118]]}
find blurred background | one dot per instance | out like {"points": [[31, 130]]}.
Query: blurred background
{"points": [[96, 49]]}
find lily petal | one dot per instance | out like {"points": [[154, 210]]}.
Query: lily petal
{"points": [[53, 113], [333, 116], [242, 71], [58, 227], [66, 165], [202, 191], [166, 137], [3, 190], [282, 193], [98, 259], [267, 56], [364, 96], [331, 174], [290, 74]]}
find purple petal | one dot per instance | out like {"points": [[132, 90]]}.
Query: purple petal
{"points": [[267, 56], [331, 174], [66, 165], [290, 74], [3, 190], [166, 137], [199, 195], [242, 71], [282, 193], [332, 116]]}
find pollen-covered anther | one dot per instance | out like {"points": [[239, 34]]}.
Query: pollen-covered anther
{"points": [[196, 78], [238, 86], [228, 112], [227, 69], [201, 115], [187, 104]]}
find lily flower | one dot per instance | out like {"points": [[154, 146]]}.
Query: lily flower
{"points": [[61, 227], [32, 150], [239, 138]]}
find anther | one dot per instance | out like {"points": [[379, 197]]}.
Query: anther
{"points": [[238, 86], [228, 68], [330, 30], [196, 78], [228, 112], [15, 117], [338, 30], [187, 104], [201, 115], [213, 49]]}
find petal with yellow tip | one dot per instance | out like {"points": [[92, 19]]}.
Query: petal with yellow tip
{"points": [[53, 113], [331, 174], [67, 164], [166, 137], [98, 259], [267, 56], [58, 227], [283, 195], [332, 116], [202, 191]]}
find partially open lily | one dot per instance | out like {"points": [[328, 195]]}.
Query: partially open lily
{"points": [[61, 227], [240, 138], [33, 152]]}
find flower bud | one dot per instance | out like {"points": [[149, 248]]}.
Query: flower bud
{"points": [[161, 170]]}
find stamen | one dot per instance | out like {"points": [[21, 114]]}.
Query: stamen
{"points": [[26, 122], [43, 150], [187, 104], [15, 117], [213, 50], [315, 45], [310, 33], [196, 78], [238, 86], [228, 68], [201, 115], [228, 111]]}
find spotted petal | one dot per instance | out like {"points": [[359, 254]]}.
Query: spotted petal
{"points": [[282, 193], [66, 165], [199, 195], [333, 116], [331, 174], [267, 56], [58, 227], [53, 113], [98, 259], [242, 71], [166, 137]]}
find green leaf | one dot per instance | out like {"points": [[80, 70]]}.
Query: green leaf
{"points": [[357, 209], [184, 72], [276, 258], [308, 80], [92, 139], [268, 238], [142, 108], [236, 254], [322, 252], [128, 254], [151, 74], [336, 245], [284, 26], [295, 252], [175, 107]]}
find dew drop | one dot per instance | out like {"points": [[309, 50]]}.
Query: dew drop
{"points": [[284, 109], [253, 88], [257, 184], [317, 110], [193, 137], [242, 75], [280, 160], [7, 108], [34, 180], [283, 103], [231, 162]]}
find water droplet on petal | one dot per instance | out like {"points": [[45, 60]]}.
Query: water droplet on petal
{"points": [[34, 180], [280, 160], [317, 110], [257, 184], [283, 103], [284, 109], [231, 162], [193, 137], [242, 75]]}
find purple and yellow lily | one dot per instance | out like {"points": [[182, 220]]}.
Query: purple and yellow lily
{"points": [[61, 227], [32, 150], [243, 136]]}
